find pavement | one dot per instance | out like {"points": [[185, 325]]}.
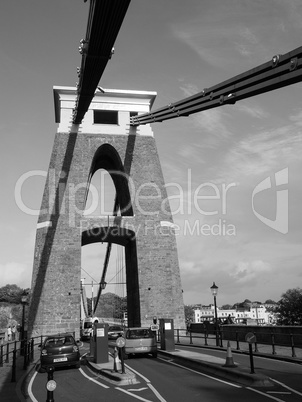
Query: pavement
{"points": [[226, 368]]}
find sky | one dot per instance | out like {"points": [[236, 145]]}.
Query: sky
{"points": [[244, 159]]}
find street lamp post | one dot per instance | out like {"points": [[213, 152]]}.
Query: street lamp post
{"points": [[24, 302], [214, 290]]}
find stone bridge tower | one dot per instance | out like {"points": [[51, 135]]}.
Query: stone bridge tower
{"points": [[142, 223]]}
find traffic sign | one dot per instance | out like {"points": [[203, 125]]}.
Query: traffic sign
{"points": [[120, 342], [250, 337], [154, 327], [51, 385]]}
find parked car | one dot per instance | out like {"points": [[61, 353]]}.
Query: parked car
{"points": [[140, 341], [115, 331], [60, 350]]}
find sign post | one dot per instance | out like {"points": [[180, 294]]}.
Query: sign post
{"points": [[51, 384], [251, 338]]}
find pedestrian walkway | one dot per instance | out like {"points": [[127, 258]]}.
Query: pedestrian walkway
{"points": [[11, 381], [276, 351]]}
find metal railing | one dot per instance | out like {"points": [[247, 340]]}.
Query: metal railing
{"points": [[293, 341], [25, 347]]}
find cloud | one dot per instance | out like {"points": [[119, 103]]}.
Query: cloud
{"points": [[262, 153], [226, 34], [213, 122], [252, 110], [15, 273], [247, 272]]}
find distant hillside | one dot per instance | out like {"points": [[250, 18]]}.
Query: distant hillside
{"points": [[111, 306]]}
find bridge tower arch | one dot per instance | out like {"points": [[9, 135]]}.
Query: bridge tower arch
{"points": [[143, 224]]}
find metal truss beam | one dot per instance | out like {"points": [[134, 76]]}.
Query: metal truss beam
{"points": [[281, 71]]}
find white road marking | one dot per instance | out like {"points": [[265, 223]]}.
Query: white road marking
{"points": [[92, 379], [156, 393], [287, 387], [202, 374], [134, 396], [279, 392], [264, 394], [137, 389], [31, 395], [139, 374]]}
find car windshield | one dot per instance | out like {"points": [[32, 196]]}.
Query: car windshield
{"points": [[139, 333], [114, 329], [59, 341]]}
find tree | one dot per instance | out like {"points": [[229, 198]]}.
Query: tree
{"points": [[189, 313], [245, 305], [289, 308], [270, 301], [11, 294], [247, 301], [226, 307], [110, 306]]}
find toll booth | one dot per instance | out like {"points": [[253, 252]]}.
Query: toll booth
{"points": [[166, 328], [100, 338]]}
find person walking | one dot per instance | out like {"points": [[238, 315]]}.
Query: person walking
{"points": [[13, 333], [9, 333]]}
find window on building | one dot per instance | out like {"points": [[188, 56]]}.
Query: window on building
{"points": [[105, 117]]}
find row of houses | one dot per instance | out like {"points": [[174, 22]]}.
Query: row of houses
{"points": [[259, 314]]}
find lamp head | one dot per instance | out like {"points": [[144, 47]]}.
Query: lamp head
{"points": [[214, 289], [24, 297]]}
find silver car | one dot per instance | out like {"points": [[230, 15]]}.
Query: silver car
{"points": [[140, 340]]}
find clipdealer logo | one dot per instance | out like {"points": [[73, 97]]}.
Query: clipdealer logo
{"points": [[280, 223]]}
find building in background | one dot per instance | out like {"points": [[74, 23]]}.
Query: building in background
{"points": [[254, 313]]}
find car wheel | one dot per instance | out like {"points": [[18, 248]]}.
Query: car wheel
{"points": [[78, 365]]}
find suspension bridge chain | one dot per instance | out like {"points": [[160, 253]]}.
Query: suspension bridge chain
{"points": [[104, 22], [281, 71]]}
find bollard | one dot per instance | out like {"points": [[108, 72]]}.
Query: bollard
{"points": [[122, 359], [256, 346], [14, 367], [1, 356], [32, 350], [7, 353], [251, 358], [25, 355], [273, 344], [292, 345], [205, 337], [220, 337], [237, 341], [191, 341], [51, 384]]}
